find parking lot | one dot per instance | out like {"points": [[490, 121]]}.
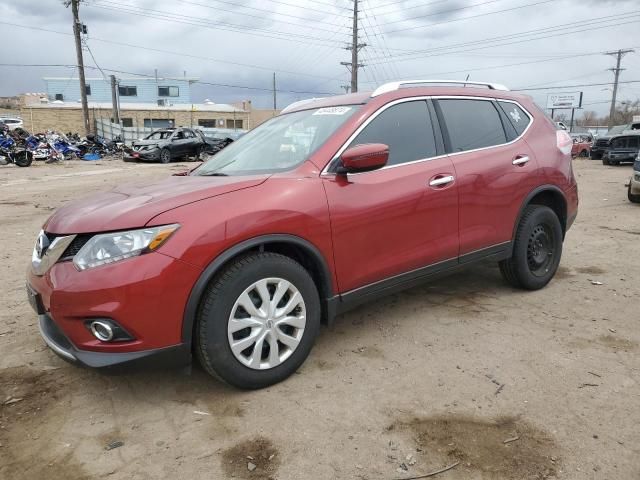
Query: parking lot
{"points": [[500, 383]]}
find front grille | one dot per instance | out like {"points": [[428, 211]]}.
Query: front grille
{"points": [[75, 246], [602, 142]]}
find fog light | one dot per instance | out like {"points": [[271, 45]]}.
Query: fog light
{"points": [[101, 330]]}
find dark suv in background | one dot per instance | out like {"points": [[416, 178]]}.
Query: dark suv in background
{"points": [[621, 149]]}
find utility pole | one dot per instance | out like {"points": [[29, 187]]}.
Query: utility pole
{"points": [[355, 47], [274, 92], [114, 99], [616, 71], [77, 28]]}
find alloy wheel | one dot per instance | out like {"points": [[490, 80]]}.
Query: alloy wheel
{"points": [[266, 323]]}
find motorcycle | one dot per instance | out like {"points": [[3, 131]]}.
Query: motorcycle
{"points": [[11, 153]]}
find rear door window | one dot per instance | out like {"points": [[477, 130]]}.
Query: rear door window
{"points": [[518, 117], [471, 124], [406, 128]]}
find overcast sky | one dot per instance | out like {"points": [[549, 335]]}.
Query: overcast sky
{"points": [[239, 42]]}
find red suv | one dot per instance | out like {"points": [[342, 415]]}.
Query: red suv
{"points": [[333, 203]]}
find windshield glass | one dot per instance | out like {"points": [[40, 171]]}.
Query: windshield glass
{"points": [[278, 145], [160, 135]]}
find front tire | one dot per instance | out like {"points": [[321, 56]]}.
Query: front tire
{"points": [[257, 321], [165, 155], [632, 198], [536, 251]]}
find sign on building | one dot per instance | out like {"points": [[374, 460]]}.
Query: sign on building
{"points": [[564, 100]]}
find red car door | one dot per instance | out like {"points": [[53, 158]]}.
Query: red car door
{"points": [[401, 217], [493, 164]]}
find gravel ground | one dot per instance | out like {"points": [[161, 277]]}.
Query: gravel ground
{"points": [[501, 383]]}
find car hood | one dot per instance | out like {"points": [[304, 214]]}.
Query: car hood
{"points": [[134, 205]]}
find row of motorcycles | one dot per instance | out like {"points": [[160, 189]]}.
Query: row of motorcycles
{"points": [[21, 148]]}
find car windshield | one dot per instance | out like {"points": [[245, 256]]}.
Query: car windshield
{"points": [[278, 145], [159, 135]]}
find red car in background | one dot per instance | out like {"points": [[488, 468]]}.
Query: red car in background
{"points": [[334, 203], [581, 145]]}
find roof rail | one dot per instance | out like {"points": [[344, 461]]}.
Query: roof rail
{"points": [[391, 86], [299, 103]]}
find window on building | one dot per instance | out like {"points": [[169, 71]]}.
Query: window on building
{"points": [[207, 122], [126, 122], [126, 91], [87, 89], [231, 123], [406, 128], [59, 96], [168, 92], [158, 122], [472, 124]]}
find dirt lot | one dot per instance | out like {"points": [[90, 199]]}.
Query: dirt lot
{"points": [[510, 384]]}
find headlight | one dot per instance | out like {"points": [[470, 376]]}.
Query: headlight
{"points": [[112, 247]]}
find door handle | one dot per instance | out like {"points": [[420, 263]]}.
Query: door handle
{"points": [[439, 181], [521, 160]]}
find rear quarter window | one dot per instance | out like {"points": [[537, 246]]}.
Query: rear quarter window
{"points": [[516, 115]]}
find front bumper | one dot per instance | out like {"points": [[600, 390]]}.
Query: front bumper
{"points": [[176, 355], [145, 295], [148, 155]]}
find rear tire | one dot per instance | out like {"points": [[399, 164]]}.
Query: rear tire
{"points": [[632, 198], [584, 153], [605, 161], [536, 251], [221, 310]]}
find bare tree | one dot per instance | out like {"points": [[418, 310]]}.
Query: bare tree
{"points": [[589, 117]]}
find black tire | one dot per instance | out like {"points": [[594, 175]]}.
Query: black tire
{"points": [[584, 153], [536, 251], [595, 156], [632, 198], [211, 338], [605, 161], [23, 158], [165, 155]]}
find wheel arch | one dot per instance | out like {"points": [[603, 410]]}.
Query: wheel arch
{"points": [[297, 248], [550, 196]]}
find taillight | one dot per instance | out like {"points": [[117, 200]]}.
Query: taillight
{"points": [[564, 142]]}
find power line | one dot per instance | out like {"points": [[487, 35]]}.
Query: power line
{"points": [[146, 75], [481, 44], [407, 8], [574, 24], [441, 12], [473, 16], [272, 12], [573, 86], [170, 52], [194, 21]]}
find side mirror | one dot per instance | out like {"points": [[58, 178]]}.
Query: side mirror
{"points": [[363, 158]]}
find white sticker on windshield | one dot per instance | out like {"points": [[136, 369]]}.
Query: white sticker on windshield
{"points": [[332, 111]]}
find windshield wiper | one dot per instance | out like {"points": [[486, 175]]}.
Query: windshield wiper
{"points": [[214, 174]]}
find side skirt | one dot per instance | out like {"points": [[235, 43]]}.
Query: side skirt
{"points": [[349, 300]]}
